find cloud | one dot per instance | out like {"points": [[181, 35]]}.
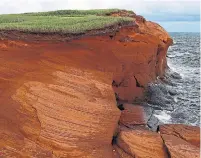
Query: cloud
{"points": [[21, 6], [157, 10], [173, 10]]}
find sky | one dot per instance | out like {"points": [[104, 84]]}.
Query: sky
{"points": [[173, 15]]}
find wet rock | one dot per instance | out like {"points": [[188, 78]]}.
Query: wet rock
{"points": [[191, 134], [148, 111], [178, 148], [141, 143], [172, 92], [158, 98], [168, 81], [151, 120], [176, 75], [153, 123]]}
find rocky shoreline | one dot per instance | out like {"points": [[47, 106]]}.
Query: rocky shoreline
{"points": [[81, 98], [135, 139]]}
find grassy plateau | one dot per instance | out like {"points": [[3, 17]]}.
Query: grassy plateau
{"points": [[65, 21]]}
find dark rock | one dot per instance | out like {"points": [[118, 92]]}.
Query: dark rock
{"points": [[176, 75]]}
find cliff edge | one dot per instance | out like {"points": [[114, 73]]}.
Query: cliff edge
{"points": [[70, 95]]}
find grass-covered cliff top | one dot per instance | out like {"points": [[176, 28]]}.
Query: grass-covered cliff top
{"points": [[65, 21]]}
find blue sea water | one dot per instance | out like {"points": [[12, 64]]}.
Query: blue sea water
{"points": [[178, 99]]}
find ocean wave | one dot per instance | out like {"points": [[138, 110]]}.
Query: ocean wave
{"points": [[176, 98]]}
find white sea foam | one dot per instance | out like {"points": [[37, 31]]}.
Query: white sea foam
{"points": [[179, 70], [175, 99], [184, 60], [163, 116]]}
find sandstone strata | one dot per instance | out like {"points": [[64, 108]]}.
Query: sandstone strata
{"points": [[182, 141], [187, 133], [141, 143], [132, 115], [178, 148], [58, 99]]}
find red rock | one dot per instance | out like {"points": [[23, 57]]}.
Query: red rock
{"points": [[123, 14], [25, 148], [3, 47], [165, 41], [190, 134], [121, 153], [141, 143], [132, 115], [140, 18], [178, 148], [59, 96]]}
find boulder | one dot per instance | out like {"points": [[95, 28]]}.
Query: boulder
{"points": [[141, 143], [190, 134], [132, 115], [178, 148]]}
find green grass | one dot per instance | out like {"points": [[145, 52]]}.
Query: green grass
{"points": [[100, 12], [65, 21]]}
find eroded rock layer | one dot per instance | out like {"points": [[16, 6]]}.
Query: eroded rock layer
{"points": [[178, 148], [140, 142], [58, 99], [188, 133], [182, 141]]}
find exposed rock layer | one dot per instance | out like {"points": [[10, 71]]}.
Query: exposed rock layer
{"points": [[188, 133], [58, 98], [140, 142], [132, 115], [182, 141], [178, 148]]}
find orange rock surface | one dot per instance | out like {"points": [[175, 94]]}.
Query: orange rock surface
{"points": [[57, 99], [142, 143], [190, 134], [178, 148], [132, 115], [121, 153]]}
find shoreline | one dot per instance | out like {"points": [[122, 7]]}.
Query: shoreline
{"points": [[60, 98]]}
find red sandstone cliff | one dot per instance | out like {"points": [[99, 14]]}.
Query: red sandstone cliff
{"points": [[58, 98]]}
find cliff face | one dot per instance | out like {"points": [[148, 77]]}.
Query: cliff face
{"points": [[58, 99]]}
